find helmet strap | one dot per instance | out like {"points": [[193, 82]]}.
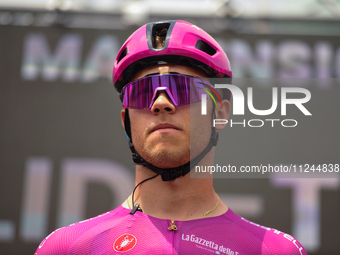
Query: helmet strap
{"points": [[127, 126]]}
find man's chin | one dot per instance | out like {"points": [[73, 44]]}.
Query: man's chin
{"points": [[166, 158]]}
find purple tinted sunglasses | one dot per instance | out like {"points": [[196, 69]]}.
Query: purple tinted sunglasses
{"points": [[181, 89]]}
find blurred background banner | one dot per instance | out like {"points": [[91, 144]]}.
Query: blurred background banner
{"points": [[63, 152]]}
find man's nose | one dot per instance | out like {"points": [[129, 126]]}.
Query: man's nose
{"points": [[163, 104]]}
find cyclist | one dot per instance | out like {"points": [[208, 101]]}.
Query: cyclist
{"points": [[161, 73]]}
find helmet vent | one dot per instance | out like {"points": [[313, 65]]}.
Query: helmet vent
{"points": [[203, 46], [159, 32], [122, 55]]}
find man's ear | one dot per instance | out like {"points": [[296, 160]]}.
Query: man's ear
{"points": [[122, 114], [222, 112]]}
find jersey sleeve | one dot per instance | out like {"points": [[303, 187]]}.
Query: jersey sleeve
{"points": [[57, 243], [63, 240], [268, 241], [279, 243]]}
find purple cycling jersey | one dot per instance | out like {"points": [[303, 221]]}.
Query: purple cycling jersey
{"points": [[119, 232]]}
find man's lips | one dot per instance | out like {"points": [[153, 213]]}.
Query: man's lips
{"points": [[164, 126]]}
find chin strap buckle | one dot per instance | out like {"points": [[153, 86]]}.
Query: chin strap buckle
{"points": [[171, 174]]}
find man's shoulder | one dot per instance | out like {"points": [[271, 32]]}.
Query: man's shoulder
{"points": [[272, 240], [63, 239]]}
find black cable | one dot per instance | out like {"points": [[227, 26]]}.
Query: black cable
{"points": [[133, 192]]}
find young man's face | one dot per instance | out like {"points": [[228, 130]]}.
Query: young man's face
{"points": [[161, 135]]}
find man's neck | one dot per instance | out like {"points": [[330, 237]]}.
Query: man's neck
{"points": [[184, 198]]}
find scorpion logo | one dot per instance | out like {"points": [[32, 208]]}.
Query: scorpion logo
{"points": [[124, 243]]}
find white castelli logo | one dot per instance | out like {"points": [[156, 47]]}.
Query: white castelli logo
{"points": [[125, 243]]}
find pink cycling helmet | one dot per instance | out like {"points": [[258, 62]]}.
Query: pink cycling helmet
{"points": [[185, 44]]}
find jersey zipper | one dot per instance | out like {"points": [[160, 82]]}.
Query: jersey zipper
{"points": [[173, 228]]}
